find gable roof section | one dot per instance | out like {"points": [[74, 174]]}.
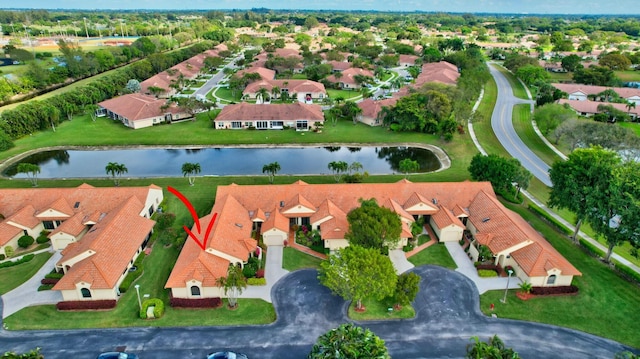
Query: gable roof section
{"points": [[293, 86], [137, 106], [265, 73], [348, 75], [284, 112], [444, 218], [371, 108], [232, 226]]}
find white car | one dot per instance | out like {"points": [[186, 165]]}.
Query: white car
{"points": [[226, 355]]}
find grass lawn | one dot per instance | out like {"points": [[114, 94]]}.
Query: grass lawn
{"points": [[524, 129], [604, 297], [635, 126], [226, 94], [629, 75], [13, 277], [561, 76], [346, 94], [294, 259], [482, 121], [436, 254], [518, 88], [379, 310]]}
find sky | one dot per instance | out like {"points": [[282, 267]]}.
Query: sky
{"points": [[617, 7]]}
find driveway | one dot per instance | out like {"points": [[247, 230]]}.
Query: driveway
{"points": [[502, 124], [447, 316]]}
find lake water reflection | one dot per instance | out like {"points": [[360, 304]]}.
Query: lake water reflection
{"points": [[222, 161]]}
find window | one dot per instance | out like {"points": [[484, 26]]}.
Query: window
{"points": [[277, 124], [262, 125], [86, 293], [150, 210], [551, 279], [220, 125], [301, 125], [248, 124], [236, 124], [48, 225], [195, 290]]}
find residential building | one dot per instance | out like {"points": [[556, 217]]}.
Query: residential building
{"points": [[407, 60], [347, 78], [303, 90], [139, 110], [584, 92], [443, 72], [371, 109], [244, 115], [590, 108]]}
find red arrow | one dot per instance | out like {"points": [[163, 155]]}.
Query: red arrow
{"points": [[196, 220]]}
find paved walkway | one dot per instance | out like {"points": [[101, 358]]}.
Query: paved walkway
{"points": [[399, 261], [27, 294], [273, 271]]}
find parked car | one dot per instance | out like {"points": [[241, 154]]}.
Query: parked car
{"points": [[117, 355], [227, 355]]}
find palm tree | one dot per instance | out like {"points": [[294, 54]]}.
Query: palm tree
{"points": [[630, 105], [338, 168], [355, 167], [352, 110], [189, 170], [271, 169], [275, 92], [116, 170], [408, 165], [233, 284], [263, 93], [31, 170]]}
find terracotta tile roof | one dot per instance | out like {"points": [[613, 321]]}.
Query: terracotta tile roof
{"points": [[61, 205], [348, 75], [194, 263], [294, 86], [335, 228], [288, 53], [276, 220], [285, 112], [24, 217], [339, 65], [591, 107], [8, 232], [426, 206], [231, 228], [624, 92], [408, 59], [442, 72], [500, 229], [161, 80], [138, 106], [298, 200], [391, 204], [259, 215], [114, 241], [73, 226], [371, 108], [265, 74], [460, 212], [444, 217], [327, 209]]}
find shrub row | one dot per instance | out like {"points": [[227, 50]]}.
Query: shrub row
{"points": [[45, 287], [24, 259], [158, 308], [628, 272], [569, 289], [256, 281], [539, 211], [86, 304], [132, 276], [195, 303], [50, 281], [54, 275], [591, 249]]}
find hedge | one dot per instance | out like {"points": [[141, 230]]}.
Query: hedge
{"points": [[45, 287], [569, 289], [591, 248], [49, 281], [628, 272], [195, 303], [86, 304], [54, 275], [552, 220], [158, 308], [42, 238], [25, 241], [24, 259], [256, 281], [132, 276], [486, 273]]}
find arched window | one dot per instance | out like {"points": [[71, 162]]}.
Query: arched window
{"points": [[195, 290], [551, 279], [86, 293]]}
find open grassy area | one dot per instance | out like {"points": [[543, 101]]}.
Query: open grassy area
{"points": [[379, 310], [482, 122], [635, 126], [604, 297], [293, 260], [561, 76], [436, 254], [345, 94], [226, 95], [518, 88], [524, 129], [13, 277], [628, 75]]}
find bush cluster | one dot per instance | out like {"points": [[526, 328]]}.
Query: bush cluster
{"points": [[487, 273], [24, 259], [158, 308], [42, 238], [165, 220], [569, 289], [251, 268], [54, 275], [257, 281], [132, 276], [195, 303], [86, 304], [45, 287], [49, 281], [25, 241]]}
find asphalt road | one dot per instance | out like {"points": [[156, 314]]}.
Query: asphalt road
{"points": [[447, 316], [502, 124]]}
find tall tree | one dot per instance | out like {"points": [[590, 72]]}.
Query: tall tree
{"points": [[31, 170], [500, 171], [357, 273], [408, 165], [349, 342], [271, 169], [233, 284], [581, 181], [494, 348], [116, 170], [372, 226], [407, 289], [338, 168], [189, 170]]}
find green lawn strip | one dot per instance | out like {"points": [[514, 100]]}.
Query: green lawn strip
{"points": [[482, 122], [524, 129], [436, 254], [518, 89], [226, 94], [294, 259], [628, 75], [345, 94], [13, 277], [634, 126], [561, 76], [249, 312], [379, 310], [604, 297]]}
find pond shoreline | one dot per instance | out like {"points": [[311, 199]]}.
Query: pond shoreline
{"points": [[441, 155]]}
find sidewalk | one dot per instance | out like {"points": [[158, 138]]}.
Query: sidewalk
{"points": [[273, 273], [27, 294]]}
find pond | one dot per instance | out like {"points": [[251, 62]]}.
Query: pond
{"points": [[221, 161]]}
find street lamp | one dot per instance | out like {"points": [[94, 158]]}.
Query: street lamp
{"points": [[504, 300], [137, 286], [86, 30]]}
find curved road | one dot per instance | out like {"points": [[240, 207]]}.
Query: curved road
{"points": [[447, 316], [502, 123]]}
